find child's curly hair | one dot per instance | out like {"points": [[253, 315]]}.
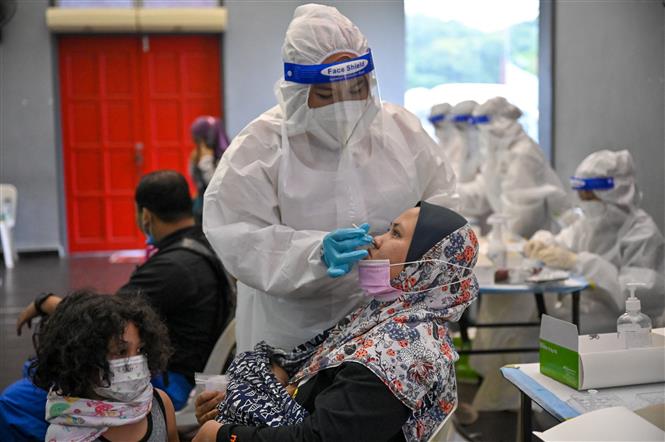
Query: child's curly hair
{"points": [[73, 344]]}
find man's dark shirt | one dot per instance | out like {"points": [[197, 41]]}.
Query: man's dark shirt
{"points": [[183, 288]]}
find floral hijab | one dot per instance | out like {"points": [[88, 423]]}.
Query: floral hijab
{"points": [[405, 342]]}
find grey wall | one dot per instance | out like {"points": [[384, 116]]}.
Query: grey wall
{"points": [[609, 88], [27, 126], [253, 42]]}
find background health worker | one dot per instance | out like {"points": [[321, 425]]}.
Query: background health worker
{"points": [[615, 242], [516, 181], [458, 136], [328, 156]]}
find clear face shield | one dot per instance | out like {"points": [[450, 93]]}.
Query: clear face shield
{"points": [[590, 205], [332, 129], [336, 100]]}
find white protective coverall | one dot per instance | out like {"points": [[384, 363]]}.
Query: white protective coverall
{"points": [[458, 137], [614, 243], [517, 181], [275, 194], [515, 178]]}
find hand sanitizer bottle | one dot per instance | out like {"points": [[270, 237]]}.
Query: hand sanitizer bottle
{"points": [[634, 326]]}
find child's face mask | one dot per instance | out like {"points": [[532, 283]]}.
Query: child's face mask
{"points": [[129, 378]]}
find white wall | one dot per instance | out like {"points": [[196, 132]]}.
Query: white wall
{"points": [[609, 88], [28, 152], [253, 42]]}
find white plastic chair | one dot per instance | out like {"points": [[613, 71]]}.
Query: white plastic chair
{"points": [[8, 199], [185, 417]]}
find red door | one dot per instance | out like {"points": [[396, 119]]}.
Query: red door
{"points": [[181, 78], [127, 103]]}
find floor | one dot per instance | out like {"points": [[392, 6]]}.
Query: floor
{"points": [[35, 274]]}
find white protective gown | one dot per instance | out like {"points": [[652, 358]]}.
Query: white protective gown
{"points": [[267, 227], [516, 181], [622, 246], [458, 139]]}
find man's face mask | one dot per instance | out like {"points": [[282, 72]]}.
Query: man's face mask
{"points": [[129, 378]]}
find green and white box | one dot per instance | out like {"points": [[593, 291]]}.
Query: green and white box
{"points": [[597, 361]]}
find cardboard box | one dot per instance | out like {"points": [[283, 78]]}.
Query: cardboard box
{"points": [[597, 361]]}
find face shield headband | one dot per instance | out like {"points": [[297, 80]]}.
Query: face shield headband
{"points": [[595, 183], [462, 118], [434, 119], [329, 72], [480, 119]]}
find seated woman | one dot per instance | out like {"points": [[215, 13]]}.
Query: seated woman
{"points": [[384, 372], [95, 355]]}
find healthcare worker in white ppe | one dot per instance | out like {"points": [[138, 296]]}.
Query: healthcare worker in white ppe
{"points": [[616, 242], [458, 136], [281, 208], [515, 179]]}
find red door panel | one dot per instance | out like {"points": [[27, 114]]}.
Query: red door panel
{"points": [[181, 78], [101, 117], [126, 109]]}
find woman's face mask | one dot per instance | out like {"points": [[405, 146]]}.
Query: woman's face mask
{"points": [[129, 378], [593, 208], [374, 277], [337, 121]]}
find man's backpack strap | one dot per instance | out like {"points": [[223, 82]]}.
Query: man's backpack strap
{"points": [[226, 300]]}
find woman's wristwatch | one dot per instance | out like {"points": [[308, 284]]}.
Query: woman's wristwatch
{"points": [[40, 300]]}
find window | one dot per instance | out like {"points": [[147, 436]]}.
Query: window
{"points": [[472, 50]]}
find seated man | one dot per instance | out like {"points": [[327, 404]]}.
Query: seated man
{"points": [[615, 242], [183, 281], [385, 371]]}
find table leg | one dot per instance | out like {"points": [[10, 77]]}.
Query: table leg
{"points": [[576, 308], [464, 327], [540, 302], [524, 419]]}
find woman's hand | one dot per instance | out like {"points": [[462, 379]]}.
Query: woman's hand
{"points": [[208, 432], [206, 405]]}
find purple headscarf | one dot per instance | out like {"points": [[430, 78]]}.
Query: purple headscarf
{"points": [[209, 129]]}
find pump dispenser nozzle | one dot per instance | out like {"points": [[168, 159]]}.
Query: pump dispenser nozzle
{"points": [[633, 303]]}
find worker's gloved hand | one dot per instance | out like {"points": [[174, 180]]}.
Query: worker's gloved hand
{"points": [[555, 256], [339, 249], [532, 247], [538, 241]]}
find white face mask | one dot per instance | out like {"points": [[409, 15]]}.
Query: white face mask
{"points": [[336, 121], [593, 209], [129, 378]]}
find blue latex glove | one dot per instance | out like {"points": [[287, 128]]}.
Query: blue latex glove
{"points": [[339, 249]]}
